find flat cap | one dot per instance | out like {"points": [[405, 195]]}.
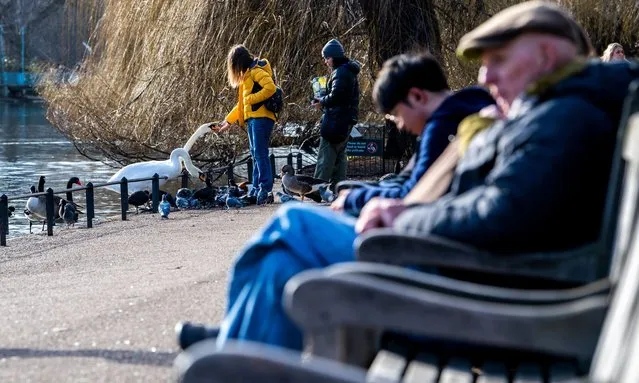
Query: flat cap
{"points": [[531, 16]]}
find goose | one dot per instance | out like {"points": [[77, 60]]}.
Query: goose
{"points": [[33, 209], [304, 186], [69, 195], [170, 168], [41, 182], [36, 207]]}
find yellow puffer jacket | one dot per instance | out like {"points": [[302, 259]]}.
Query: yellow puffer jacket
{"points": [[261, 73]]}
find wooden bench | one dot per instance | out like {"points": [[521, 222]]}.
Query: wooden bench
{"points": [[614, 359], [547, 335]]}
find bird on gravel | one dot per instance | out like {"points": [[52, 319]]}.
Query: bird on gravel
{"points": [[304, 186], [326, 193], [164, 208], [285, 197], [139, 198], [69, 213], [233, 202], [207, 193]]}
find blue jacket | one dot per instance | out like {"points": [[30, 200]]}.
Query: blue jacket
{"points": [[537, 181], [434, 139]]}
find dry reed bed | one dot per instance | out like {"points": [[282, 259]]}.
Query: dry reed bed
{"points": [[158, 66]]}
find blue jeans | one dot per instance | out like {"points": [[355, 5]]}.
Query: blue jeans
{"points": [[259, 135], [290, 243]]}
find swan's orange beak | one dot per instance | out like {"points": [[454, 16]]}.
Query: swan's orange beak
{"points": [[202, 176]]}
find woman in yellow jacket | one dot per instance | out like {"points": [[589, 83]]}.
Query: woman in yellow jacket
{"points": [[254, 79]]}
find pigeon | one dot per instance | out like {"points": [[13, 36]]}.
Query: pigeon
{"points": [[285, 197], [139, 198], [164, 208], [233, 202], [304, 186], [169, 198], [70, 214], [182, 203], [327, 194], [184, 193]]}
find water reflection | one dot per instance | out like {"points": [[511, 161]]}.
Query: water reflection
{"points": [[31, 147]]}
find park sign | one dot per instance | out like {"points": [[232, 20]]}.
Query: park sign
{"points": [[364, 147]]}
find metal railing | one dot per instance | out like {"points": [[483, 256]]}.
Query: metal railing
{"points": [[229, 170], [90, 205]]}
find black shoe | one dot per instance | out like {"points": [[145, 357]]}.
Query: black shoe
{"points": [[188, 333]]}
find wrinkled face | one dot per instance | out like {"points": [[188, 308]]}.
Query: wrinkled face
{"points": [[411, 114], [618, 54], [507, 71]]}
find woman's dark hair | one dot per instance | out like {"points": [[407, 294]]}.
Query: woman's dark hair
{"points": [[405, 71], [238, 61]]}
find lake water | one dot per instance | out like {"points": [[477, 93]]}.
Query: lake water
{"points": [[31, 147]]}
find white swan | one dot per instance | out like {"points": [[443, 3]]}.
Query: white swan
{"points": [[199, 132], [170, 168]]}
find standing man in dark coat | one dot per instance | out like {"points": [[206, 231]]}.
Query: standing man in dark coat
{"points": [[340, 107]]}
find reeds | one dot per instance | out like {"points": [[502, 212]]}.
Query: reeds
{"points": [[158, 66]]}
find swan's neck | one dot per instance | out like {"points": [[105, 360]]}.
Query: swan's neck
{"points": [[181, 154], [202, 130]]}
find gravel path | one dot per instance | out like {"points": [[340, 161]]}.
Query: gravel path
{"points": [[99, 305]]}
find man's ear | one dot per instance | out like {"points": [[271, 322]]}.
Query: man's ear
{"points": [[548, 57], [417, 96]]}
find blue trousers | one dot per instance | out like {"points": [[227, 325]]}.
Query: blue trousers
{"points": [[259, 135], [293, 241]]}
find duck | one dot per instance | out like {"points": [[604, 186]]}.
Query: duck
{"points": [[170, 168], [68, 213], [304, 186], [139, 198], [207, 193]]}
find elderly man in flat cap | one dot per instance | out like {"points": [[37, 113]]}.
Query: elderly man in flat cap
{"points": [[534, 180]]}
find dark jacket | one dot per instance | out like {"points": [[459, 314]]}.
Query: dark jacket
{"points": [[434, 139], [535, 182], [341, 103]]}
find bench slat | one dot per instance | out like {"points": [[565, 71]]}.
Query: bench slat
{"points": [[423, 369], [457, 371], [493, 372], [386, 368], [563, 372], [528, 373]]}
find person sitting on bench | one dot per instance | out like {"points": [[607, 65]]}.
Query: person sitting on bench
{"points": [[416, 83], [535, 181]]}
